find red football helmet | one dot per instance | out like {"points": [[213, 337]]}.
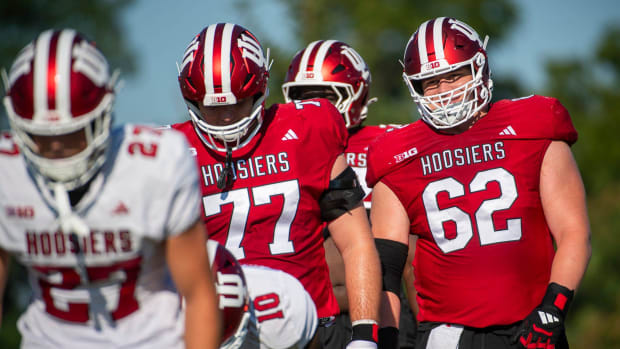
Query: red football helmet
{"points": [[222, 65], [59, 84], [333, 65], [233, 297], [439, 46]]}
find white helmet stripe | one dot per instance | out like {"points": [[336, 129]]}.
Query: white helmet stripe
{"points": [[422, 43], [320, 57], [63, 66], [41, 58], [225, 56], [303, 66], [438, 38], [208, 58]]}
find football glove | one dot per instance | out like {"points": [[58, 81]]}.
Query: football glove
{"points": [[544, 327]]}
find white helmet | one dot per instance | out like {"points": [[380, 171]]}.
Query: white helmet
{"points": [[59, 84]]}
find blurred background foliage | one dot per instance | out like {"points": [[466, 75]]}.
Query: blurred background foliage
{"points": [[379, 31]]}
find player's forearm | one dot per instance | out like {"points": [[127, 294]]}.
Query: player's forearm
{"points": [[389, 312], [571, 260], [340, 291], [408, 280], [363, 280], [202, 322]]}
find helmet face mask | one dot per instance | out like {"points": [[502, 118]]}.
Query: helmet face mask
{"points": [[438, 47], [223, 65], [335, 67], [233, 136], [59, 85]]}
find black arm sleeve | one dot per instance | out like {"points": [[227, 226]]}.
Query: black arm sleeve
{"points": [[393, 256], [343, 194]]}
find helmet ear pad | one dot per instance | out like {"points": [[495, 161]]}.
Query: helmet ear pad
{"points": [[70, 91], [339, 69]]}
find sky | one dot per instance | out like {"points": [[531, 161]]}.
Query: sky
{"points": [[159, 33]]}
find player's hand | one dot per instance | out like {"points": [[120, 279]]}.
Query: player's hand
{"points": [[544, 327], [360, 344]]}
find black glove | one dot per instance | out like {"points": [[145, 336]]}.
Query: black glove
{"points": [[544, 327]]}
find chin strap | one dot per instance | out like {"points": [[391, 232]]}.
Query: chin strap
{"points": [[226, 177], [69, 221]]}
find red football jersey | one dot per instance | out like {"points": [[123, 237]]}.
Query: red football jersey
{"points": [[356, 153], [484, 251], [270, 215]]}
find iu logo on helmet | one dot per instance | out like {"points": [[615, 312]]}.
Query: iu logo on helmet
{"points": [[251, 49], [465, 29], [356, 61], [22, 63], [90, 62], [189, 52], [231, 291]]}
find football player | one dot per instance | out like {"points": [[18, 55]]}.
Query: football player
{"points": [[262, 307], [271, 177], [488, 189], [334, 70], [98, 215]]}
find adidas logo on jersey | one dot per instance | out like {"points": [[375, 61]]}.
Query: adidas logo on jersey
{"points": [[290, 135], [120, 209], [508, 131], [547, 318]]}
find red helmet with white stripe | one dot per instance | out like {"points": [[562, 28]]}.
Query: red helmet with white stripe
{"points": [[439, 46], [59, 85], [336, 66], [221, 66], [232, 293]]}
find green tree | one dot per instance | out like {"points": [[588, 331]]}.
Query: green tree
{"points": [[588, 88], [99, 20]]}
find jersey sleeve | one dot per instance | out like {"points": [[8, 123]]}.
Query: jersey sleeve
{"points": [[326, 135], [387, 152], [175, 193], [185, 197], [540, 117], [563, 128], [328, 128]]}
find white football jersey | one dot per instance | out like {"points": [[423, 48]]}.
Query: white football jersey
{"points": [[146, 192], [284, 315]]}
